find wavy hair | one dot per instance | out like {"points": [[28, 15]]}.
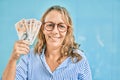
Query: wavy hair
{"points": [[69, 43]]}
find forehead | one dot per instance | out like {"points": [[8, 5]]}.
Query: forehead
{"points": [[54, 16]]}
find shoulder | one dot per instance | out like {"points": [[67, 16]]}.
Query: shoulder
{"points": [[83, 62], [80, 52]]}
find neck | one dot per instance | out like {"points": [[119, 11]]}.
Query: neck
{"points": [[52, 53]]}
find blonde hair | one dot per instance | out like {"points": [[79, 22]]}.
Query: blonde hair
{"points": [[69, 43]]}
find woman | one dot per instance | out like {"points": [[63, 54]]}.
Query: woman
{"points": [[55, 56]]}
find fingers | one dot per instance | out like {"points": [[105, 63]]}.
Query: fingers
{"points": [[20, 47], [23, 42], [23, 46], [23, 49]]}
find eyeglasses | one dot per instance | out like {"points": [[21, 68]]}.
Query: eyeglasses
{"points": [[49, 26]]}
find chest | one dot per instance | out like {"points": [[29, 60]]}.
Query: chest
{"points": [[40, 72], [57, 75]]}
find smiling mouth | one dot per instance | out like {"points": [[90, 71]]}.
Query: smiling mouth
{"points": [[54, 38]]}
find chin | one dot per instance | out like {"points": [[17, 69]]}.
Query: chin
{"points": [[54, 44]]}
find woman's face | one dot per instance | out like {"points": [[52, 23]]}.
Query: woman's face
{"points": [[55, 29]]}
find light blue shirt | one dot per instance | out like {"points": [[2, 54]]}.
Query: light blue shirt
{"points": [[34, 67]]}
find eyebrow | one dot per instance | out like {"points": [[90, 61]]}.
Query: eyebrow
{"points": [[53, 22]]}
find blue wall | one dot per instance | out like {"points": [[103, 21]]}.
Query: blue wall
{"points": [[97, 25]]}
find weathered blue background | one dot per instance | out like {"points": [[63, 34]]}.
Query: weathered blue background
{"points": [[97, 26]]}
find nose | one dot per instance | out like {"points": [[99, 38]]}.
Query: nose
{"points": [[55, 30]]}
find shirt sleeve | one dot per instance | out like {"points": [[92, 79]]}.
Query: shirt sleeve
{"points": [[86, 72], [22, 68]]}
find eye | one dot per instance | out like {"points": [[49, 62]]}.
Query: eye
{"points": [[50, 24], [62, 26]]}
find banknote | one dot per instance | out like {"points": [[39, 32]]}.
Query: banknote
{"points": [[27, 29]]}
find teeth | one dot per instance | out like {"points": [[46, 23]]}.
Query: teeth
{"points": [[53, 37]]}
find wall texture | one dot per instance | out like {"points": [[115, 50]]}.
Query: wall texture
{"points": [[96, 28]]}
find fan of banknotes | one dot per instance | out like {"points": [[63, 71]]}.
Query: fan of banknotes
{"points": [[27, 29]]}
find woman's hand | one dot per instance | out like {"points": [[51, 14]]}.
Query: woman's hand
{"points": [[20, 47]]}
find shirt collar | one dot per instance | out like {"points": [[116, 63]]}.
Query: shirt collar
{"points": [[64, 64]]}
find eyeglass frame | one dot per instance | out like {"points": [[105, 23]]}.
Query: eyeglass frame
{"points": [[55, 25]]}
